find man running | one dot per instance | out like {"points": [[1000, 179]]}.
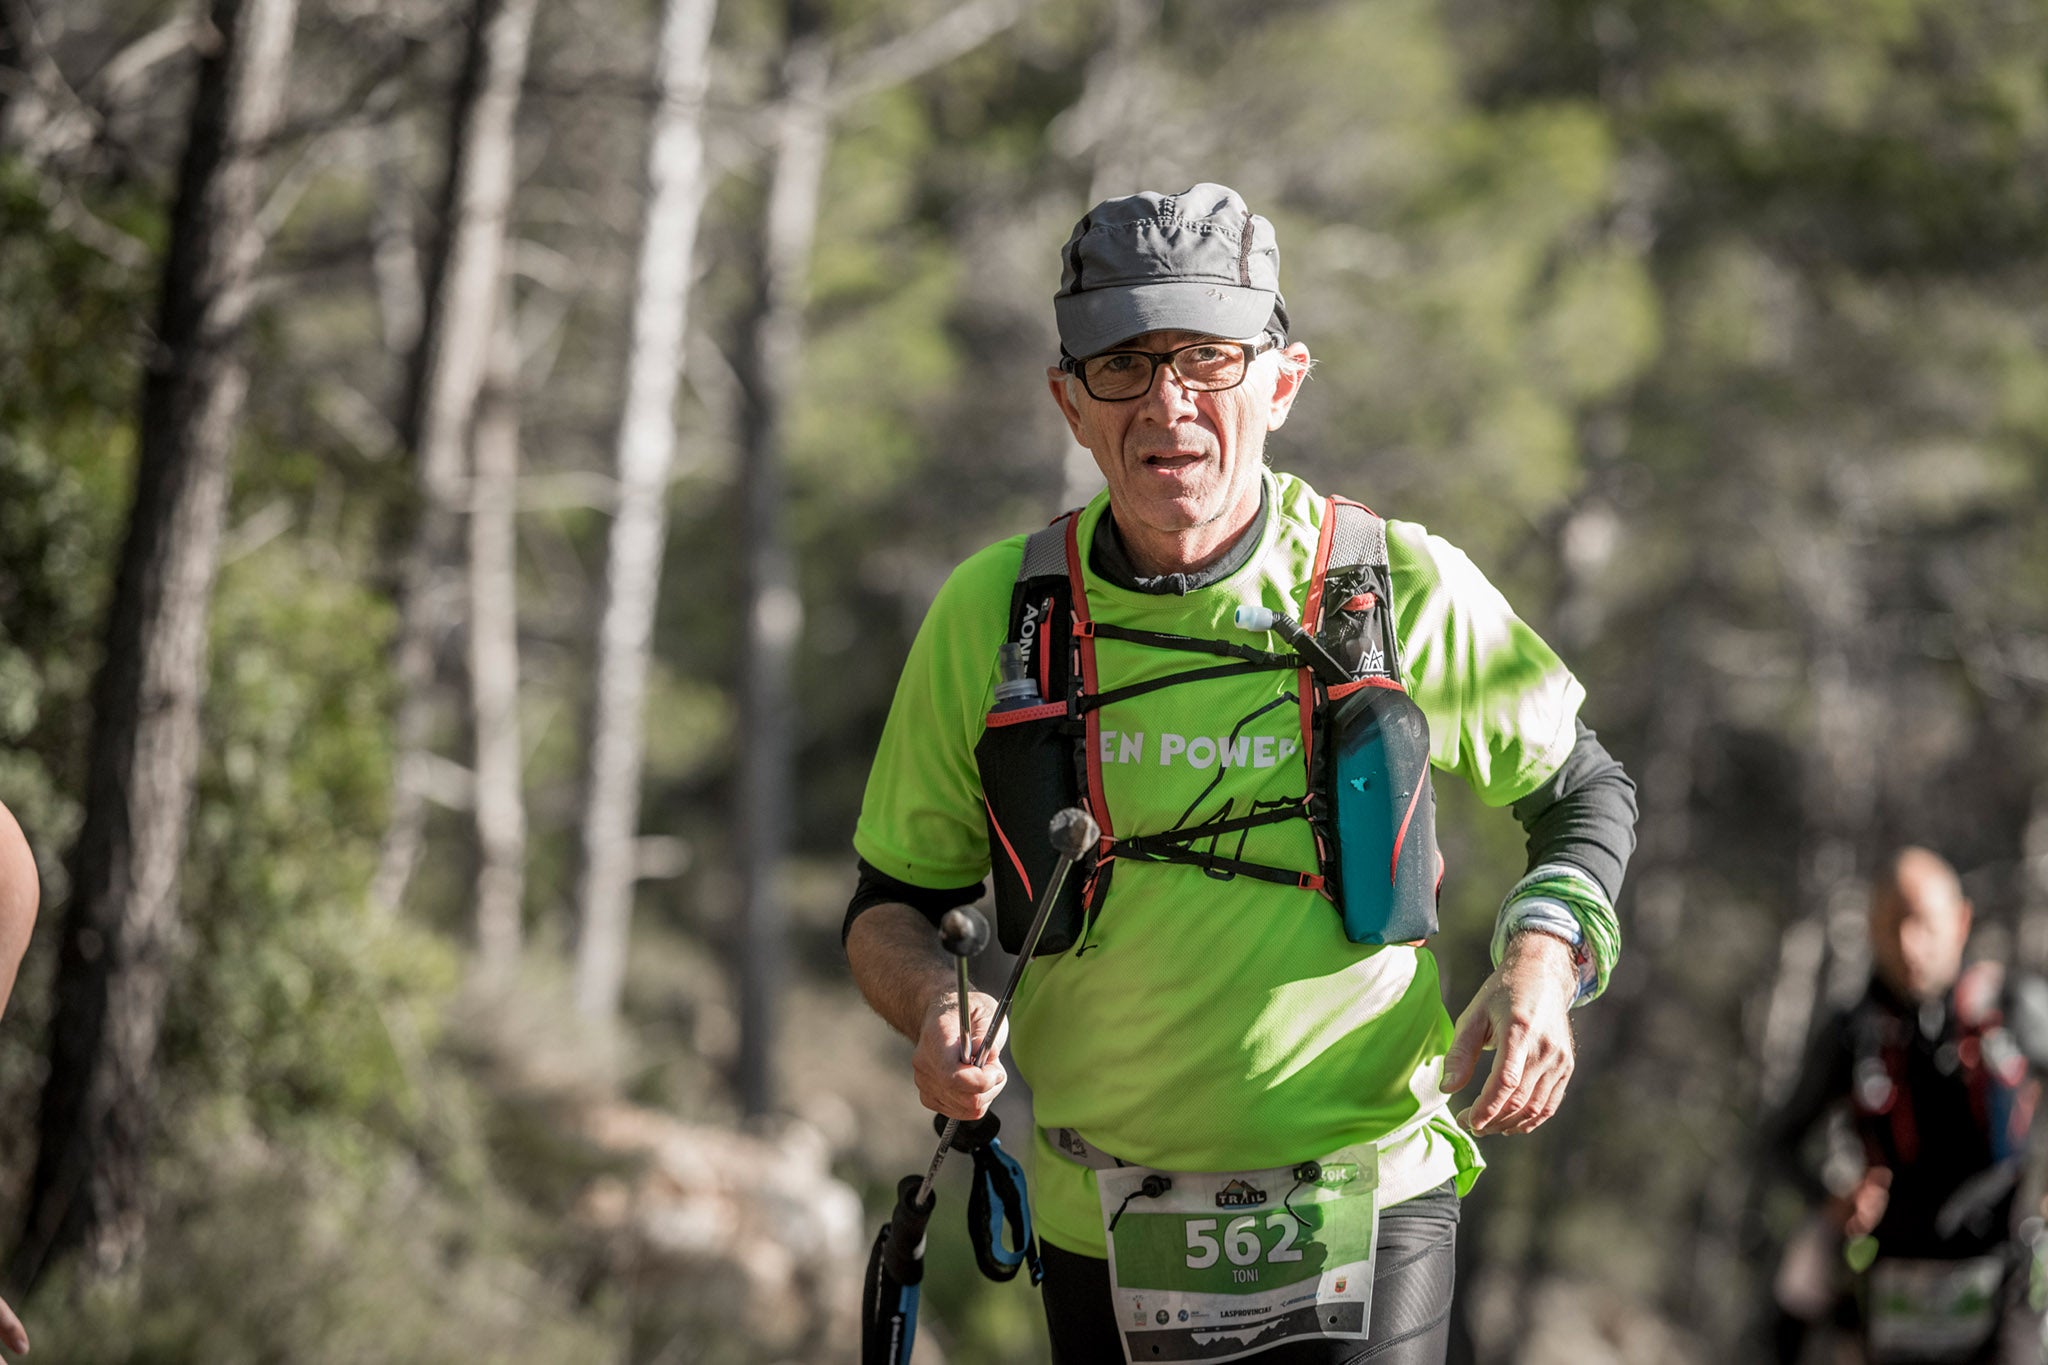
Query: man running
{"points": [[1241, 1077], [1933, 1067]]}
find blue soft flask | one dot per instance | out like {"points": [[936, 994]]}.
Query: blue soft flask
{"points": [[1382, 812]]}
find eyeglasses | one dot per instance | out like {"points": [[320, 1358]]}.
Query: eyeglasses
{"points": [[1201, 367]]}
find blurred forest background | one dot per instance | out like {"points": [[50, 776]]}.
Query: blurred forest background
{"points": [[500, 450]]}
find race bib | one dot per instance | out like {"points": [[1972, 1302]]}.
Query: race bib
{"points": [[1216, 1265], [1932, 1310]]}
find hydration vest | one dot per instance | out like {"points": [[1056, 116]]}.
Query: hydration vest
{"points": [[1366, 792], [1993, 1068]]}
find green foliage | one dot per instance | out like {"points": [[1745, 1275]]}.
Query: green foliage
{"points": [[290, 1010], [344, 1249], [877, 355]]}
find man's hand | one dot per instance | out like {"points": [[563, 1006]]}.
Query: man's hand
{"points": [[945, 1083], [12, 1335], [1523, 1011]]}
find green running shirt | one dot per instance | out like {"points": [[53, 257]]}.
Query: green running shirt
{"points": [[1207, 1025]]}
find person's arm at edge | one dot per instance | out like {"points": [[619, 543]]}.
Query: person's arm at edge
{"points": [[20, 894]]}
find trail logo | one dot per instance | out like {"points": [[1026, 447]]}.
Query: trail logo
{"points": [[1238, 1195]]}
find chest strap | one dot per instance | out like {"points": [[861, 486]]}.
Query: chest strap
{"points": [[1352, 549]]}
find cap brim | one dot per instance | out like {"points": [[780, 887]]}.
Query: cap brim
{"points": [[1098, 319]]}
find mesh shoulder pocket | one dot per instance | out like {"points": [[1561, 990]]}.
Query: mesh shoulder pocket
{"points": [[1026, 758], [1381, 809]]}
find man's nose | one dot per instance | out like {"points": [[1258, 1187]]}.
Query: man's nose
{"points": [[1169, 391]]}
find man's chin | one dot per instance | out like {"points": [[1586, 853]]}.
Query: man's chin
{"points": [[1181, 518]]}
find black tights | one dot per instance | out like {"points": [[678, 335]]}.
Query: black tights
{"points": [[1411, 1297]]}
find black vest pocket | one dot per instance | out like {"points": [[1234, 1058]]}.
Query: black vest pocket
{"points": [[1027, 760]]}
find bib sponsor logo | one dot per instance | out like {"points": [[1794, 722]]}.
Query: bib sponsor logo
{"points": [[1238, 1195], [1197, 751]]}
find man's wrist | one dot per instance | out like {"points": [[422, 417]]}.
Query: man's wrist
{"points": [[1548, 917], [1552, 953]]}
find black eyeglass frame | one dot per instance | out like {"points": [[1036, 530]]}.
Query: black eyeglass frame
{"points": [[1252, 351]]}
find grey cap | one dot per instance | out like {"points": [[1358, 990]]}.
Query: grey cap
{"points": [[1197, 261]]}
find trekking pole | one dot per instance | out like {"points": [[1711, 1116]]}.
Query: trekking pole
{"points": [[895, 1274], [1073, 833], [964, 933]]}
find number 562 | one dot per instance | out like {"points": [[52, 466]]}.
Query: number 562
{"points": [[1240, 1240]]}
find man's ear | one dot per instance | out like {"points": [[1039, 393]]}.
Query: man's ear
{"points": [[1294, 367], [1056, 380]]}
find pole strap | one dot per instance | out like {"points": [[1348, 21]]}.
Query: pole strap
{"points": [[998, 1207]]}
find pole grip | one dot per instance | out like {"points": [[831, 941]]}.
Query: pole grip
{"points": [[903, 1255]]}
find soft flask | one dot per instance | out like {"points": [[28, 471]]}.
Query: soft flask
{"points": [[1381, 809]]}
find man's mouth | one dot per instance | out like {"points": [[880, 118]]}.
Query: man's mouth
{"points": [[1173, 459]]}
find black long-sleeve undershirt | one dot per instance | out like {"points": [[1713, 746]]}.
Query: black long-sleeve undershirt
{"points": [[1584, 815]]}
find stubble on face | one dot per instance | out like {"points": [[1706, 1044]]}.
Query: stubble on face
{"points": [[1182, 468]]}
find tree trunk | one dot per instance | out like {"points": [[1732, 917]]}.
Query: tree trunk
{"points": [[774, 609], [446, 375], [646, 453], [678, 183], [769, 374], [89, 1188], [35, 120], [14, 61], [494, 658], [1114, 124], [394, 258]]}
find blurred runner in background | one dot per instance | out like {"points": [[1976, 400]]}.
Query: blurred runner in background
{"points": [[1923, 1245]]}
